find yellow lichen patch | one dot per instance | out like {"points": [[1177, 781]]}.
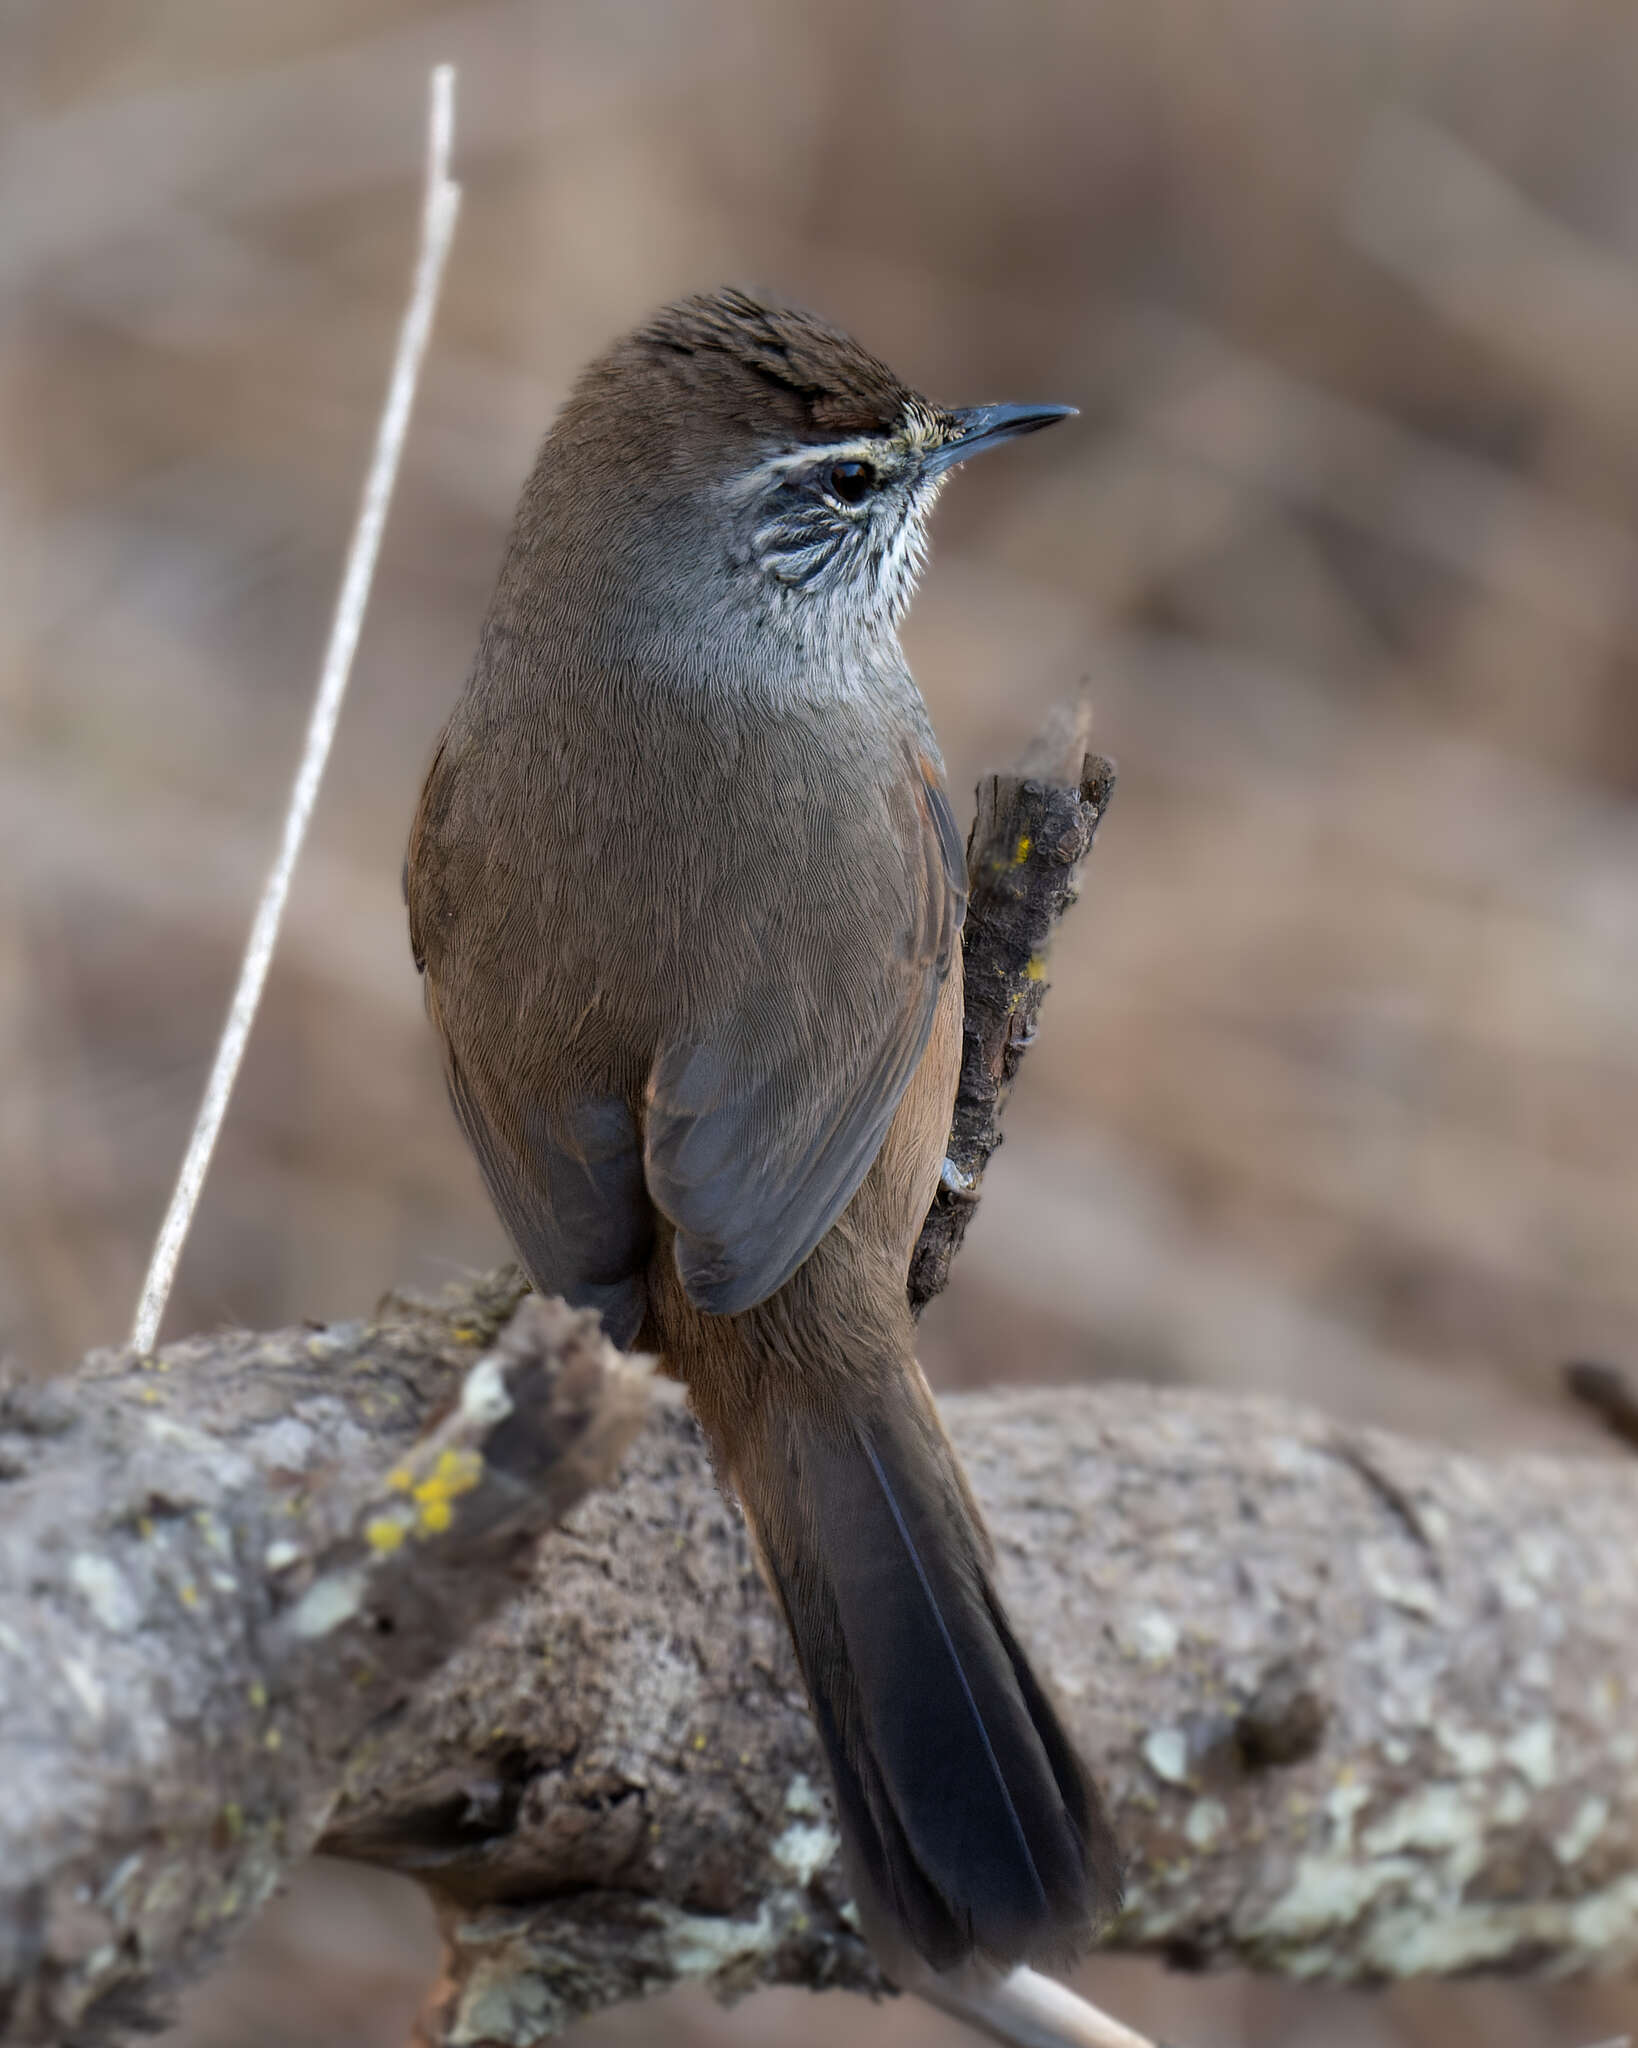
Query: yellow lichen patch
{"points": [[1036, 970], [1022, 851], [384, 1533], [456, 1472], [188, 1594], [256, 1693], [400, 1479]]}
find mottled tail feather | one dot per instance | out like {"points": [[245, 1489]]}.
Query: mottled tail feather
{"points": [[969, 1824]]}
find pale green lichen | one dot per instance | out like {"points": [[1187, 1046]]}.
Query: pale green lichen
{"points": [[1346, 1799], [328, 1603], [1412, 1942], [85, 1687], [1328, 1892], [1157, 1636], [122, 1875], [105, 1591], [1605, 1923], [1381, 1573], [706, 1944], [804, 1848], [801, 1797], [1591, 1818], [503, 2003], [1402, 1889], [1531, 1753], [1535, 1671], [1511, 1805], [1537, 1554], [1446, 1820], [1471, 1750], [484, 1399], [1166, 1752]]}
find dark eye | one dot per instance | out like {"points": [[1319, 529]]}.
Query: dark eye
{"points": [[851, 481]]}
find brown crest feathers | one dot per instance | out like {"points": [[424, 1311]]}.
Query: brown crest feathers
{"points": [[843, 389]]}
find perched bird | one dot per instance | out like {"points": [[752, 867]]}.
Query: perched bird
{"points": [[687, 891]]}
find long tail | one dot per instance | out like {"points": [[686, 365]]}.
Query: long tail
{"points": [[969, 1824]]}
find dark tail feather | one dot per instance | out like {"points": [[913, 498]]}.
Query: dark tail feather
{"points": [[969, 1822]]}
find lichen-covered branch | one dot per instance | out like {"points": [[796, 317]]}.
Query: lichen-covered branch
{"points": [[1363, 1709], [221, 1569]]}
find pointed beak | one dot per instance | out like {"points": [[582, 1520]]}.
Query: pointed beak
{"points": [[987, 426]]}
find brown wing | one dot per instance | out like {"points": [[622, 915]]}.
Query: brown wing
{"points": [[568, 1187], [759, 1132]]}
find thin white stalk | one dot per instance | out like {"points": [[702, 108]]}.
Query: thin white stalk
{"points": [[440, 205]]}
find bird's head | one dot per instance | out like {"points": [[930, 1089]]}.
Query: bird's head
{"points": [[758, 443]]}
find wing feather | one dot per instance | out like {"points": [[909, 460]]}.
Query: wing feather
{"points": [[760, 1131]]}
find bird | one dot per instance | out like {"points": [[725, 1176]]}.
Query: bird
{"points": [[686, 889]]}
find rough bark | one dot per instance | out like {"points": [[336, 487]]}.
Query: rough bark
{"points": [[1362, 1708], [1030, 838], [221, 1569]]}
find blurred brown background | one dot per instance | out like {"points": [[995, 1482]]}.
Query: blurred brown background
{"points": [[1338, 1091]]}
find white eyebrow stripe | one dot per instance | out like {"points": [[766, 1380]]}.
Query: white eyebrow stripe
{"points": [[750, 483], [862, 448], [916, 432]]}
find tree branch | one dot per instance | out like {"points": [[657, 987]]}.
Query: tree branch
{"points": [[1362, 1708], [220, 1570], [1029, 841]]}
